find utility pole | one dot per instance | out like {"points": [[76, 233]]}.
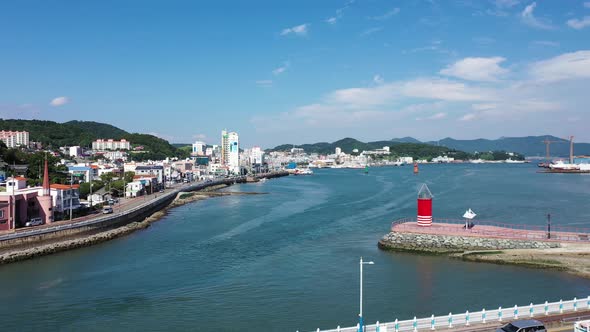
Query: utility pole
{"points": [[548, 225], [71, 185], [571, 149]]}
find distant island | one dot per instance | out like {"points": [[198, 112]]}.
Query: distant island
{"points": [[529, 146]]}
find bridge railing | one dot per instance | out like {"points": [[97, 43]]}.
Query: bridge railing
{"points": [[497, 229], [461, 320]]}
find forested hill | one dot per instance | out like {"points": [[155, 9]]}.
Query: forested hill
{"points": [[53, 134], [397, 148], [528, 146]]}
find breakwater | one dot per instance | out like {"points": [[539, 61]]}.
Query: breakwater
{"points": [[433, 243], [65, 236]]}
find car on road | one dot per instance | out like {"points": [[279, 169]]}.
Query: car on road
{"points": [[34, 222], [526, 325], [107, 210]]}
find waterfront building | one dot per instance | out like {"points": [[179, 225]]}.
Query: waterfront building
{"points": [[110, 144], [199, 148], [230, 151], [257, 156], [224, 147], [62, 195], [338, 151], [13, 139], [155, 170], [209, 152], [19, 203], [134, 189]]}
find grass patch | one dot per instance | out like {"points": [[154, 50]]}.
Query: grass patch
{"points": [[186, 195]]}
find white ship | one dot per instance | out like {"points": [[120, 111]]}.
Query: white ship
{"points": [[511, 161], [303, 171]]}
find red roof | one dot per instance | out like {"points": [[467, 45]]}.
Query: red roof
{"points": [[20, 178], [64, 186]]}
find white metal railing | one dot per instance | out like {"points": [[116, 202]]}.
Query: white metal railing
{"points": [[469, 318]]}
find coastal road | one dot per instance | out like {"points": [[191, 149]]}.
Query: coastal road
{"points": [[123, 205]]}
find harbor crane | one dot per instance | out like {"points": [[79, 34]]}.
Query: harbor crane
{"points": [[547, 148]]}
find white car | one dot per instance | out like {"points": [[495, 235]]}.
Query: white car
{"points": [[34, 222]]}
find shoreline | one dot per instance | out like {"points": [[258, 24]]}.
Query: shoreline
{"points": [[571, 258], [60, 245]]}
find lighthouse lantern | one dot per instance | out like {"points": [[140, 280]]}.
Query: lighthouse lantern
{"points": [[424, 207]]}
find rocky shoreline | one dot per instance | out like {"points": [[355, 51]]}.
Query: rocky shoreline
{"points": [[573, 258], [88, 240]]}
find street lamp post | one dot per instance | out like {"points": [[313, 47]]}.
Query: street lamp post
{"points": [[361, 294]]}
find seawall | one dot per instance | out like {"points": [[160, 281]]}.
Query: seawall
{"points": [[60, 236], [434, 243]]}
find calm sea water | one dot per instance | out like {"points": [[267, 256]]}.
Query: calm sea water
{"points": [[288, 260]]}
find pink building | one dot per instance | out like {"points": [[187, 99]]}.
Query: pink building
{"points": [[19, 203]]}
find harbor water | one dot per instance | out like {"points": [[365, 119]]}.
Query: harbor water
{"points": [[288, 260]]}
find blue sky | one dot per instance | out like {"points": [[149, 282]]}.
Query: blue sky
{"points": [[301, 71]]}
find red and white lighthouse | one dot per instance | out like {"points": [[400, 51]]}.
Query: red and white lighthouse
{"points": [[424, 207]]}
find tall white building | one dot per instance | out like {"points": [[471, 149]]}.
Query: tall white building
{"points": [[13, 139], [256, 155], [75, 151], [338, 151], [224, 147], [199, 148], [233, 155]]}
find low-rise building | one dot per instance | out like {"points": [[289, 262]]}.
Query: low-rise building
{"points": [[64, 196]]}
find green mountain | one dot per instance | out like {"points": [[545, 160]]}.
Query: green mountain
{"points": [[99, 129], [53, 134], [528, 146]]}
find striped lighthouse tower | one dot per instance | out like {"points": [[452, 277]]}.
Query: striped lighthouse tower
{"points": [[424, 207]]}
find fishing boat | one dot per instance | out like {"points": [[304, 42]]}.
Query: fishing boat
{"points": [[303, 171]]}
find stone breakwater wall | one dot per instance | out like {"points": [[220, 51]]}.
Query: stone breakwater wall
{"points": [[51, 248], [432, 243]]}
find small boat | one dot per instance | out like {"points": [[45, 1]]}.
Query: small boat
{"points": [[367, 169], [303, 171]]}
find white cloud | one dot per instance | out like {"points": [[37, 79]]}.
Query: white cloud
{"points": [[546, 43], [378, 79], [506, 3], [200, 137], [477, 69], [468, 117], [528, 105], [435, 116], [385, 16], [579, 24], [574, 65], [441, 89], [264, 83], [59, 101], [587, 4], [370, 31], [299, 30], [331, 20], [281, 69], [529, 18]]}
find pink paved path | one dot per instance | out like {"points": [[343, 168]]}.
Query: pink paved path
{"points": [[492, 231]]}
